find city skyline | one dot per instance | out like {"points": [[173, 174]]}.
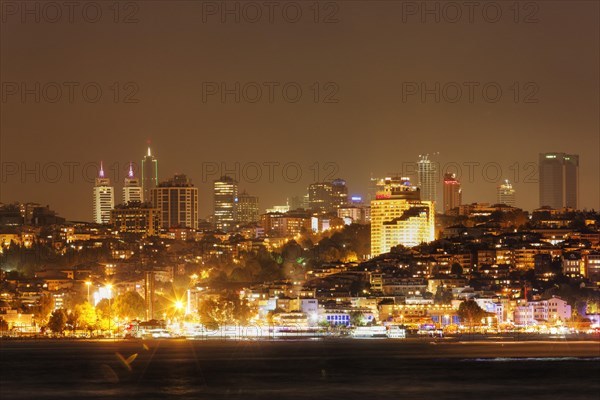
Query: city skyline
{"points": [[300, 199], [413, 170], [375, 126]]}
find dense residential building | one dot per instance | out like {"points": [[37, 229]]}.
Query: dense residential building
{"points": [[177, 201], [506, 194], [132, 189], [399, 216], [559, 180], [137, 218], [452, 192], [573, 264], [354, 213], [225, 199], [287, 224], [104, 198], [149, 175], [539, 312], [428, 178], [247, 209]]}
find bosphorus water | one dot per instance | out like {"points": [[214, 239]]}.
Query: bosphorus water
{"points": [[299, 369]]}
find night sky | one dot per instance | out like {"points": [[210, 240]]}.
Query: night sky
{"points": [[356, 117]]}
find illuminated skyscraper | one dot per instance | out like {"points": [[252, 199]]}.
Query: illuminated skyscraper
{"points": [[177, 201], [428, 179], [319, 196], [339, 194], [132, 190], [149, 174], [452, 192], [104, 198], [326, 197], [225, 198], [247, 209], [398, 216], [559, 180], [506, 194]]}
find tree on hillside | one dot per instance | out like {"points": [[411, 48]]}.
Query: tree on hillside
{"points": [[44, 308], [130, 305], [86, 316], [470, 312], [58, 321]]}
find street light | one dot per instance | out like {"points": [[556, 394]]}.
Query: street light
{"points": [[109, 287], [88, 284]]}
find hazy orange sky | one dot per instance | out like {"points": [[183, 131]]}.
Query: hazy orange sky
{"points": [[108, 80]]}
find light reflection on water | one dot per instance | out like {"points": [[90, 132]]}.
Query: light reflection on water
{"points": [[296, 370]]}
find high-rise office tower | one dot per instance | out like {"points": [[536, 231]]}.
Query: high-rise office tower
{"points": [[428, 178], [247, 209], [319, 197], [225, 198], [177, 201], [559, 180], [506, 194], [132, 190], [399, 216], [104, 198], [149, 174], [452, 192], [339, 193], [326, 197]]}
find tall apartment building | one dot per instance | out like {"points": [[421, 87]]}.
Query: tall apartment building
{"points": [[177, 202]]}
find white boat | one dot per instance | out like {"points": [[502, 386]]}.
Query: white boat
{"points": [[369, 331]]}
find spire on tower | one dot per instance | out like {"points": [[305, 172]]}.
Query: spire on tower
{"points": [[101, 172], [149, 153], [130, 174]]}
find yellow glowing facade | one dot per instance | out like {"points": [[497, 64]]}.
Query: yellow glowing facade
{"points": [[398, 216]]}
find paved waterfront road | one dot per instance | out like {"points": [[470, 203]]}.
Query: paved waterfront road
{"points": [[306, 369]]}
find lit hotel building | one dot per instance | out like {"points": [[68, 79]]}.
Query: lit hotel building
{"points": [[400, 217], [177, 202], [104, 198]]}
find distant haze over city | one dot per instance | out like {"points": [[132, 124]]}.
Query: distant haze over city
{"points": [[360, 93]]}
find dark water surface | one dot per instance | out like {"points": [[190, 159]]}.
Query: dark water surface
{"points": [[304, 369]]}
